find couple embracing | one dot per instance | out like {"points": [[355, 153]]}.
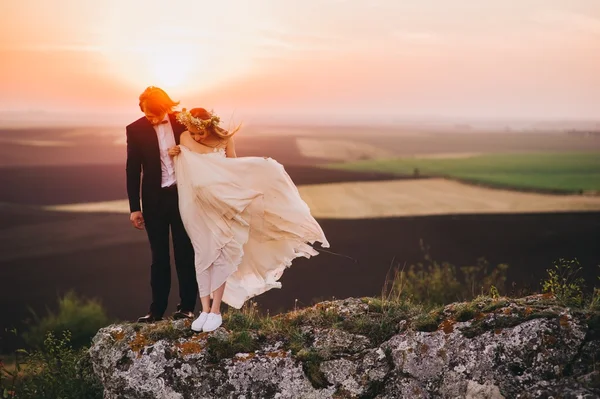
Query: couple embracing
{"points": [[235, 223]]}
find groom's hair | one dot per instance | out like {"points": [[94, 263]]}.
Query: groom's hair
{"points": [[156, 100]]}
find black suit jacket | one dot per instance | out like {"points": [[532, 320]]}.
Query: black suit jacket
{"points": [[143, 163]]}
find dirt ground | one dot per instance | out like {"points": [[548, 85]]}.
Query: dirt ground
{"points": [[421, 197], [408, 197]]}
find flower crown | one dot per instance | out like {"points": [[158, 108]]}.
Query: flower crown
{"points": [[186, 118]]}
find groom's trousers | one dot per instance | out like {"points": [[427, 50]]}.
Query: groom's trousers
{"points": [[158, 221]]}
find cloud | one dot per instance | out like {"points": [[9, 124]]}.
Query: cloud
{"points": [[289, 40], [418, 37], [50, 47], [569, 20]]}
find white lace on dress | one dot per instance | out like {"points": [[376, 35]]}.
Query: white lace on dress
{"points": [[216, 151]]}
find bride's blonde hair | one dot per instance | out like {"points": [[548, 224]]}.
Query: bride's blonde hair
{"points": [[206, 121]]}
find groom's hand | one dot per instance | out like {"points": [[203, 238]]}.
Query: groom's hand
{"points": [[137, 220]]}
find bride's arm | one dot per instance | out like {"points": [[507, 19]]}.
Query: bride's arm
{"points": [[230, 149], [187, 141]]}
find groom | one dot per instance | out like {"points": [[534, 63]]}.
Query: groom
{"points": [[148, 141]]}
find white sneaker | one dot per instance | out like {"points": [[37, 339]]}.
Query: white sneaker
{"points": [[213, 322], [199, 322]]}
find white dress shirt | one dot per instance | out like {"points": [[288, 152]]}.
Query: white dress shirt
{"points": [[166, 140]]}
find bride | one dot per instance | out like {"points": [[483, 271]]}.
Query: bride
{"points": [[244, 216]]}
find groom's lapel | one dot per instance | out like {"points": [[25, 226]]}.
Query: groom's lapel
{"points": [[150, 137]]}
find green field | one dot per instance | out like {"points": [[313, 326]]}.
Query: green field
{"points": [[567, 172]]}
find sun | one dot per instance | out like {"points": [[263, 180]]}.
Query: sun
{"points": [[168, 73], [195, 47], [163, 65], [171, 69], [141, 53]]}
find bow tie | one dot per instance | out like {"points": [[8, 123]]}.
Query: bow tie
{"points": [[162, 122]]}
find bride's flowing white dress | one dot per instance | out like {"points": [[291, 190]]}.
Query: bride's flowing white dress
{"points": [[245, 219]]}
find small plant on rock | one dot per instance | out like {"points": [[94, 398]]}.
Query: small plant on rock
{"points": [[563, 282]]}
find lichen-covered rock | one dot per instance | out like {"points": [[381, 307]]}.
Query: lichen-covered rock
{"points": [[526, 348], [332, 342], [357, 377], [269, 374], [347, 307], [536, 352]]}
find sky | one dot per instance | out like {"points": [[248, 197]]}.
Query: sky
{"points": [[309, 59]]}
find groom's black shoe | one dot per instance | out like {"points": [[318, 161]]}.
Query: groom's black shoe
{"points": [[182, 314], [149, 318]]}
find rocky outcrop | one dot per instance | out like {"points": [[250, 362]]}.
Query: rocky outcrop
{"points": [[361, 348]]}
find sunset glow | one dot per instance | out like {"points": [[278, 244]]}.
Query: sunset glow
{"points": [[506, 58], [176, 48]]}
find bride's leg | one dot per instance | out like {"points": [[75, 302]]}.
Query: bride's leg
{"points": [[215, 319], [203, 279], [205, 303], [217, 297]]}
